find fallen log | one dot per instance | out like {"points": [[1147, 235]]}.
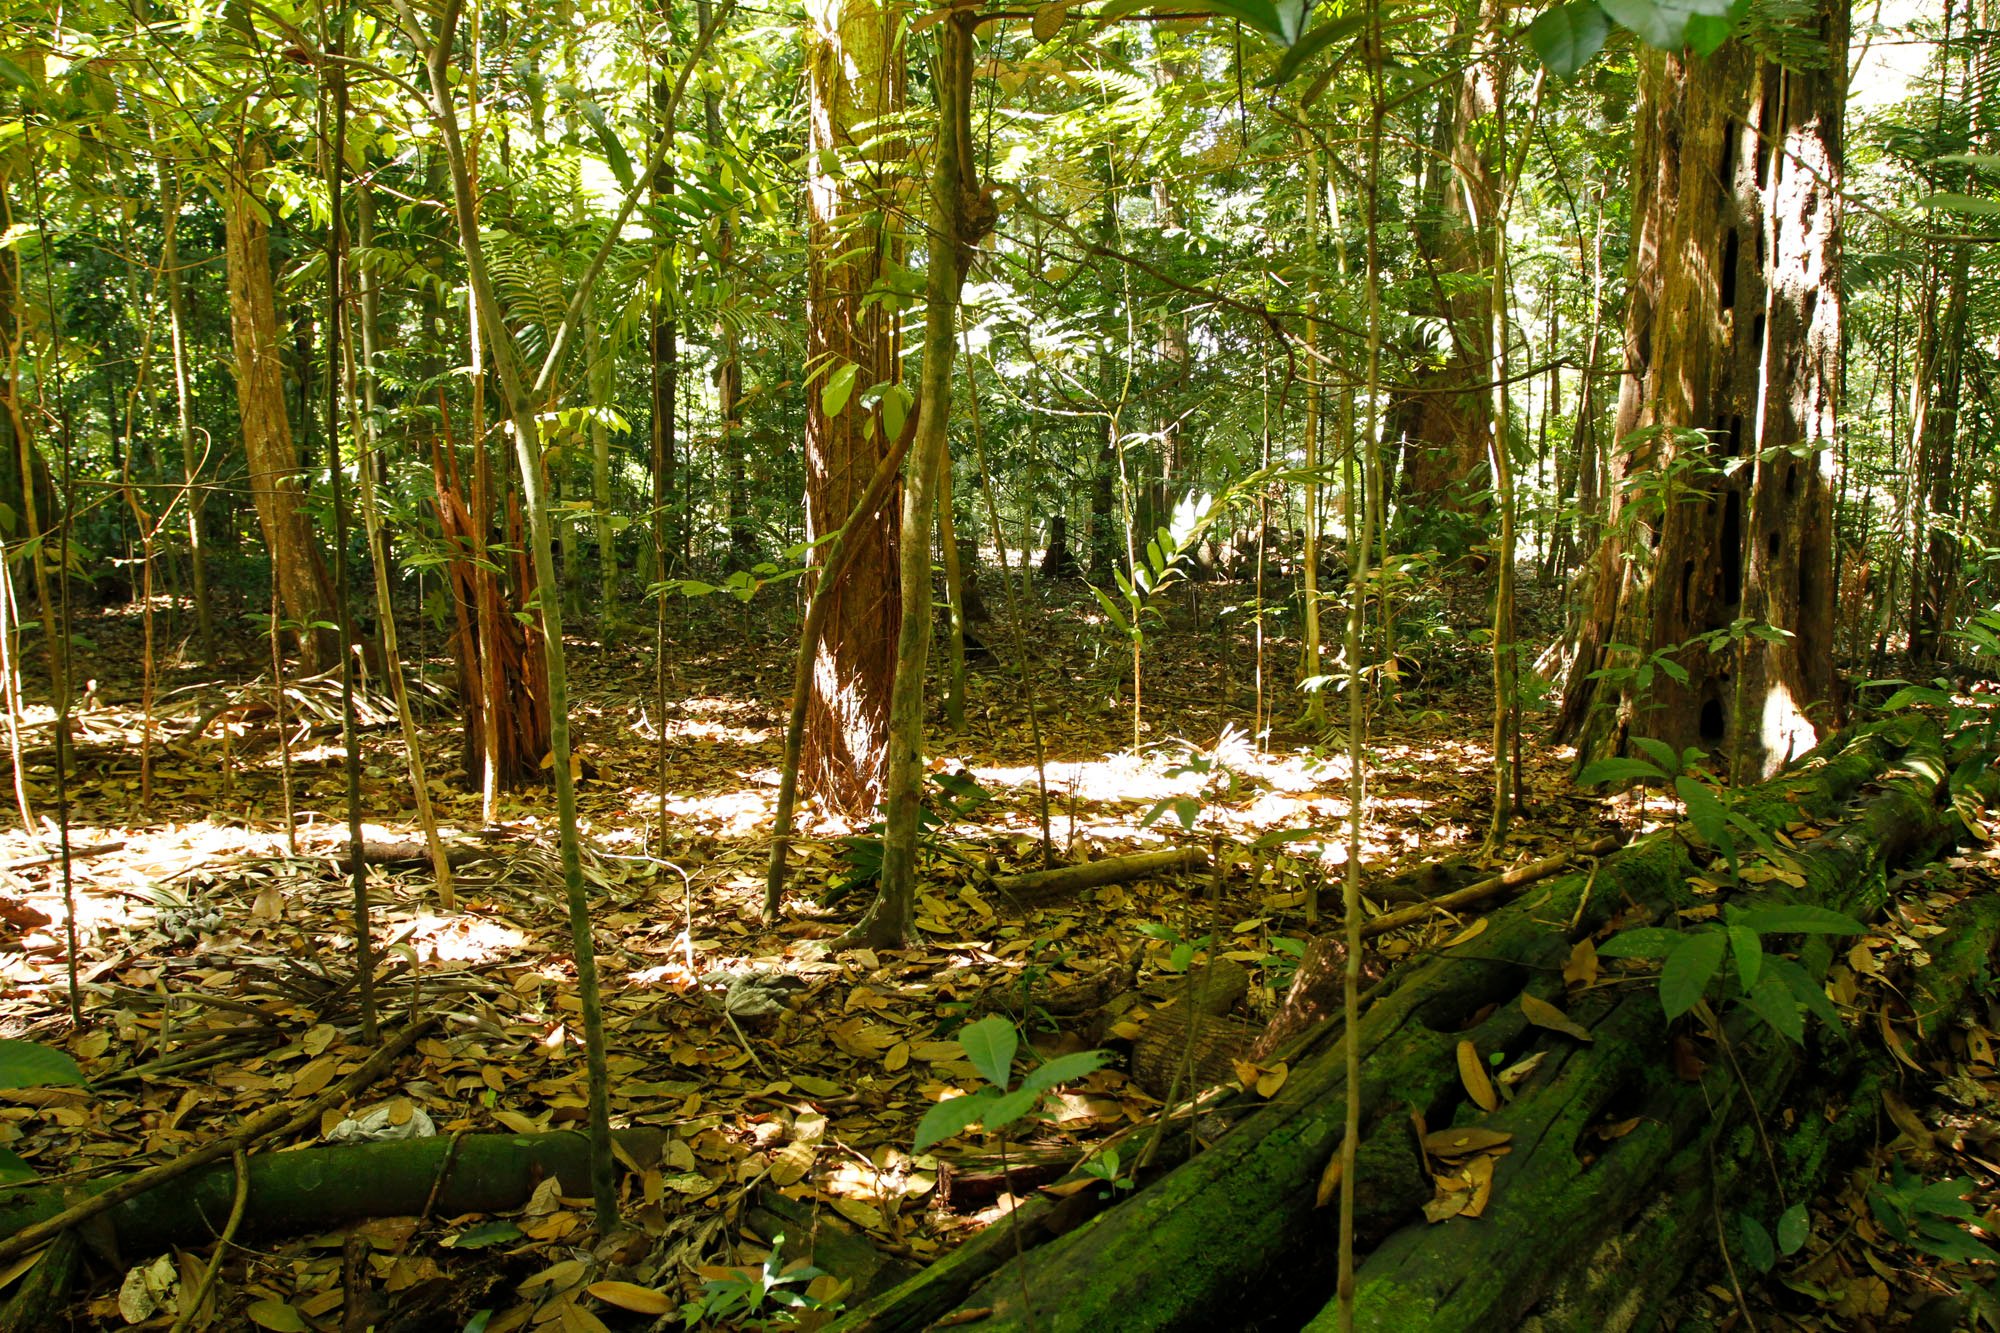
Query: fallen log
{"points": [[1038, 886], [1234, 1236], [323, 1187]]}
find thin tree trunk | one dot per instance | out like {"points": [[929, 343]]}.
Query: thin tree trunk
{"points": [[959, 216]]}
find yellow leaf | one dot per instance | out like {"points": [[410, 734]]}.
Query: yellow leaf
{"points": [[319, 1037], [1475, 929], [930, 1052], [1048, 20], [517, 1122], [864, 1215], [897, 1058], [631, 1296], [792, 1163], [276, 1316], [312, 1080], [1545, 1015], [1464, 1142], [567, 1273], [1271, 1080], [1472, 1073]]}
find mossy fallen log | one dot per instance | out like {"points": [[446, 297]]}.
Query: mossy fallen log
{"points": [[312, 1189], [1234, 1236]]}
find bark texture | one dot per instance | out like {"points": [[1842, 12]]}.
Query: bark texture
{"points": [[854, 62], [1720, 518], [276, 482]]}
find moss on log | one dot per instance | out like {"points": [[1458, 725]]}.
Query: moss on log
{"points": [[1234, 1236], [315, 1188]]}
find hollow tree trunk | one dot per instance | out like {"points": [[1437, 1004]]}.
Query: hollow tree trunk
{"points": [[854, 61], [1721, 505]]}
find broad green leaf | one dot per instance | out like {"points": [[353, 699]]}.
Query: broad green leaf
{"points": [[990, 1044], [12, 1168], [1688, 969], [1707, 813], [1753, 1243], [1111, 611], [1009, 1107], [949, 1118], [1749, 951], [1659, 752], [1618, 770], [29, 1064], [1795, 919], [896, 402], [1569, 37], [1794, 1227], [1662, 24], [1804, 989], [1310, 45], [1772, 1000], [839, 387], [1642, 942], [1064, 1068]]}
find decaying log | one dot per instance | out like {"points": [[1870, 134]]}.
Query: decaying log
{"points": [[1190, 1033], [1233, 1237], [1473, 894], [1041, 885]]}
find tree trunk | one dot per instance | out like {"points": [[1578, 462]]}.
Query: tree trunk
{"points": [[1720, 517], [854, 58], [1451, 420], [960, 216], [275, 476]]}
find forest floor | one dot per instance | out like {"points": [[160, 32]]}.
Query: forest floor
{"points": [[215, 962]]}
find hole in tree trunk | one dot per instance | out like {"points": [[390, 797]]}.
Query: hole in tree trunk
{"points": [[1711, 721], [1731, 246]]}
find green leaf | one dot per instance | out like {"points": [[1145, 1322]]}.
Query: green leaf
{"points": [[949, 1118], [896, 402], [1804, 989], [608, 143], [1749, 951], [1795, 919], [1794, 1226], [1662, 23], [1772, 1000], [1111, 611], [1259, 14], [990, 1044], [1569, 37], [1659, 752], [1708, 815], [1310, 45], [1642, 942], [1008, 1108], [485, 1234], [1974, 204], [29, 1064], [1688, 969], [1753, 1243], [12, 1168], [839, 387], [1065, 1068], [1618, 770]]}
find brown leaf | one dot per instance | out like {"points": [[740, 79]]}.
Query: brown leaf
{"points": [[631, 1296], [1545, 1015], [1472, 1073], [1464, 1142]]}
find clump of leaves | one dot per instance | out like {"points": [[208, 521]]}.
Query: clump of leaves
{"points": [[762, 1296], [990, 1045], [1775, 988], [1930, 1217], [952, 796]]}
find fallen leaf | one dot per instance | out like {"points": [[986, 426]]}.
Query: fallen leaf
{"points": [[1545, 1015], [631, 1296], [1472, 1073], [1464, 1142]]}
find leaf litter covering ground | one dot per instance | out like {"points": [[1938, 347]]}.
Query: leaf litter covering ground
{"points": [[218, 972]]}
